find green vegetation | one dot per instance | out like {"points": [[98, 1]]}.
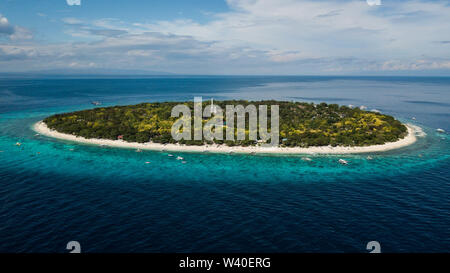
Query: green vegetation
{"points": [[301, 124]]}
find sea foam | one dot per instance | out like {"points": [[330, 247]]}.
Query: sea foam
{"points": [[418, 131]]}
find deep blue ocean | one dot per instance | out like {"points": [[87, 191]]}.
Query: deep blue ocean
{"points": [[109, 200]]}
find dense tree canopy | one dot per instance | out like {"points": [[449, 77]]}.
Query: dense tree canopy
{"points": [[301, 124]]}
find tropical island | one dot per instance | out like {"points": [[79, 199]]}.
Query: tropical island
{"points": [[303, 127]]}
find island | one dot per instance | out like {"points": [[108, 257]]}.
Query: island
{"points": [[303, 128]]}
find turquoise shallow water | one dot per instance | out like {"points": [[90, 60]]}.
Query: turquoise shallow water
{"points": [[109, 199]]}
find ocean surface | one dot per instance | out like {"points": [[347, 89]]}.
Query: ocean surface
{"points": [[109, 200]]}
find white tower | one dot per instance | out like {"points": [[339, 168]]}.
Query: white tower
{"points": [[213, 107]]}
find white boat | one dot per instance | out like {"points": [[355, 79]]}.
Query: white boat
{"points": [[148, 162], [343, 162], [18, 143], [170, 155], [440, 130], [306, 159], [369, 158], [179, 158]]}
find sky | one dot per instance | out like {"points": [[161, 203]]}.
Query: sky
{"points": [[227, 37]]}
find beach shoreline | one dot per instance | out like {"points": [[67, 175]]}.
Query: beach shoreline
{"points": [[41, 128]]}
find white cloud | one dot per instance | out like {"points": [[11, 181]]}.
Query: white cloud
{"points": [[140, 53], [13, 53], [14, 33], [72, 21], [5, 27], [73, 2], [82, 65], [374, 2], [422, 64], [282, 57], [21, 33]]}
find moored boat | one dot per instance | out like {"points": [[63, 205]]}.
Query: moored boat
{"points": [[343, 162]]}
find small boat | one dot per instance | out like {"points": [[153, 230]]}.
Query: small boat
{"points": [[369, 158], [439, 130], [147, 162], [18, 143], [343, 162], [306, 159], [179, 158], [413, 118], [96, 103], [37, 135], [170, 155]]}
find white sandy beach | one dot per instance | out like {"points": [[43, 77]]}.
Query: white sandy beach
{"points": [[41, 128]]}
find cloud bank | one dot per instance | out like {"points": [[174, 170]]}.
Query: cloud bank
{"points": [[257, 37]]}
